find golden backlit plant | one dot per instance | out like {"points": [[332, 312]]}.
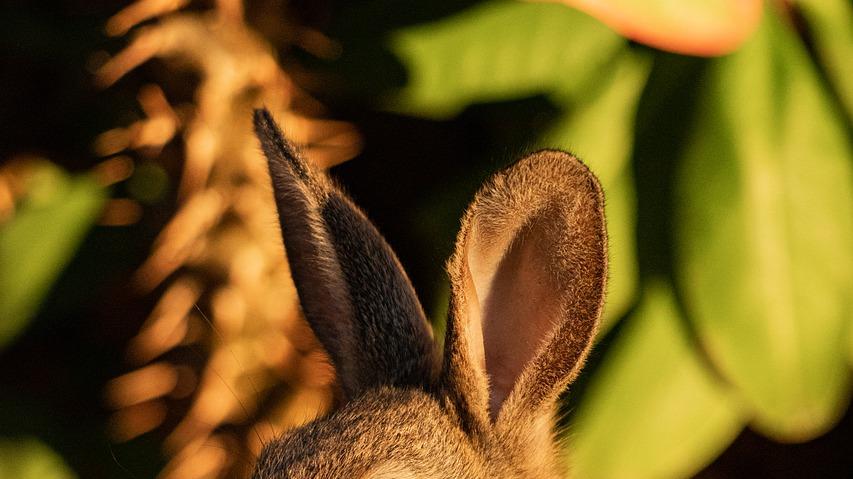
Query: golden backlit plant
{"points": [[225, 348]]}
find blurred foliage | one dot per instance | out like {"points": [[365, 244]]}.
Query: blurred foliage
{"points": [[830, 26], [729, 203], [49, 214], [30, 459], [764, 234], [652, 409], [458, 61]]}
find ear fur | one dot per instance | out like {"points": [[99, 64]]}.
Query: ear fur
{"points": [[528, 278], [353, 291]]}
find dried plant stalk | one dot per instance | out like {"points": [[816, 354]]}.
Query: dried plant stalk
{"points": [[227, 291]]}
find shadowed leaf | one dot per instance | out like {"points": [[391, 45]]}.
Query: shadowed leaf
{"points": [[652, 410], [40, 240], [831, 26], [764, 234], [496, 51]]}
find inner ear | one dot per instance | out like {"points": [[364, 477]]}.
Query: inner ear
{"points": [[518, 308], [528, 276]]}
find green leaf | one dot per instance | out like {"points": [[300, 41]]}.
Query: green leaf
{"points": [[831, 27], [31, 459], [764, 225], [498, 50], [652, 409], [40, 240], [600, 130]]}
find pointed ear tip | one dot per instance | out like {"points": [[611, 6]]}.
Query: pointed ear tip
{"points": [[579, 166], [262, 118], [555, 155]]}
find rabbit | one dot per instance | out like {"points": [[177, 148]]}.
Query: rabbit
{"points": [[528, 279]]}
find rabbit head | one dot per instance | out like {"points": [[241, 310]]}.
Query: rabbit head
{"points": [[528, 277]]}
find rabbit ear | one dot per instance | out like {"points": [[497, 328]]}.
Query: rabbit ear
{"points": [[528, 277], [353, 291]]}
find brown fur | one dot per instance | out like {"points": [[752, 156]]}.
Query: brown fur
{"points": [[528, 279]]}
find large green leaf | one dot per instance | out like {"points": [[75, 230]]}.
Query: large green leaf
{"points": [[652, 410], [31, 459], [831, 26], [601, 130], [498, 50], [40, 240], [765, 234]]}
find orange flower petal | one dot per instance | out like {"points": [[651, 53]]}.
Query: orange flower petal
{"points": [[694, 27]]}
